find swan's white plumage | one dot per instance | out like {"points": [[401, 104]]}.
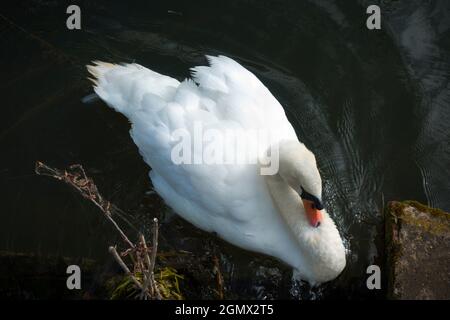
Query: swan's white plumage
{"points": [[232, 200]]}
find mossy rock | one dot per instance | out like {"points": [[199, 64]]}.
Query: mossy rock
{"points": [[418, 251]]}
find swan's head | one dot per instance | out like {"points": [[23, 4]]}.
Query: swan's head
{"points": [[298, 168]]}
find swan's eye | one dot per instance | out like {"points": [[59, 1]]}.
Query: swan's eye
{"points": [[316, 204]]}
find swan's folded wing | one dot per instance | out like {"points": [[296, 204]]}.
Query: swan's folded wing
{"points": [[241, 96], [124, 87], [161, 109]]}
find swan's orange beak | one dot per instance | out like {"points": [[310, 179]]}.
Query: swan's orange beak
{"points": [[312, 213]]}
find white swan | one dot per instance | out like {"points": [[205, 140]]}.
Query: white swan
{"points": [[280, 215]]}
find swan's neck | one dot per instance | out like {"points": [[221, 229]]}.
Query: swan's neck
{"points": [[288, 203], [321, 251]]}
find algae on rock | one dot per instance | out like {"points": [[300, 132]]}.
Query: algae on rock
{"points": [[418, 251]]}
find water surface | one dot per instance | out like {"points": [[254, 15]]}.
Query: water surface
{"points": [[372, 105]]}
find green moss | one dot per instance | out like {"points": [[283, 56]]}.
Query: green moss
{"points": [[397, 214], [434, 211], [439, 225]]}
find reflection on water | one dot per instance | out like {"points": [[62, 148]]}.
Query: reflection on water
{"points": [[372, 106]]}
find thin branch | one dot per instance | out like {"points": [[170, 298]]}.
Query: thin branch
{"points": [[137, 253], [219, 277], [122, 264], [155, 245], [76, 177], [153, 257], [147, 275]]}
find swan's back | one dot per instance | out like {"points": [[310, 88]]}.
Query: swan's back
{"points": [[232, 199]]}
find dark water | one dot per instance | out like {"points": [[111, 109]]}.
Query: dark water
{"points": [[374, 106]]}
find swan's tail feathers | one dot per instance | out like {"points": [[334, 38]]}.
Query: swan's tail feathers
{"points": [[124, 86], [107, 84], [98, 69]]}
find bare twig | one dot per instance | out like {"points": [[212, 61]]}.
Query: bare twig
{"points": [[155, 245], [122, 264], [219, 277], [153, 258], [147, 274], [137, 253], [76, 177], [150, 261]]}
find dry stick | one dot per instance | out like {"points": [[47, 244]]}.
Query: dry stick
{"points": [[122, 264], [87, 189], [145, 289], [147, 275], [122, 234], [153, 257], [147, 258], [219, 277]]}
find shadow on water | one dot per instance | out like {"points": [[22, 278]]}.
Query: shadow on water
{"points": [[372, 106]]}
